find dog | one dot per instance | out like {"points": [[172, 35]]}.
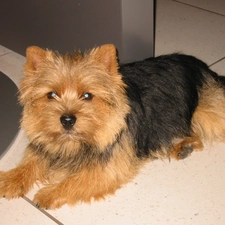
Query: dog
{"points": [[92, 123]]}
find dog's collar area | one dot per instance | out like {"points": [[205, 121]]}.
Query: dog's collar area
{"points": [[87, 155]]}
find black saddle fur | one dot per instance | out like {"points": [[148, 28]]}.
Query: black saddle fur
{"points": [[163, 94]]}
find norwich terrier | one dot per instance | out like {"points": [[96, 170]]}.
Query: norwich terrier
{"points": [[93, 123]]}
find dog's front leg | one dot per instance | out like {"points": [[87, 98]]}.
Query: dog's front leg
{"points": [[79, 187], [18, 181]]}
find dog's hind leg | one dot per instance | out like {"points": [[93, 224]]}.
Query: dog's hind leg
{"points": [[185, 147], [208, 121]]}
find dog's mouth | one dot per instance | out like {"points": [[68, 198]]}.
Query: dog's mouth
{"points": [[71, 135]]}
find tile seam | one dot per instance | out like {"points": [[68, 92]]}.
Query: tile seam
{"points": [[43, 211], [219, 60], [193, 6]]}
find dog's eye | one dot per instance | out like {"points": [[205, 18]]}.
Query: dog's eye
{"points": [[87, 96], [51, 95]]}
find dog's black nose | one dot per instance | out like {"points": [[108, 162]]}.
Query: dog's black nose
{"points": [[67, 121]]}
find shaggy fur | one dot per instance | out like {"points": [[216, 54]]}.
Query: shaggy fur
{"points": [[92, 123]]}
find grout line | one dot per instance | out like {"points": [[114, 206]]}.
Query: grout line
{"points": [[193, 6], [43, 211], [217, 61], [5, 54]]}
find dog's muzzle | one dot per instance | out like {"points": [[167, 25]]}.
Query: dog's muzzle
{"points": [[67, 121]]}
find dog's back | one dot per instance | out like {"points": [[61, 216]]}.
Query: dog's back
{"points": [[166, 95]]}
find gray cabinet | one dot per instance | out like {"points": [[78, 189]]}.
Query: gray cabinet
{"points": [[65, 25]]}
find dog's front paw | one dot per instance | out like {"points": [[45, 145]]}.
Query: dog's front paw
{"points": [[49, 198], [11, 186]]}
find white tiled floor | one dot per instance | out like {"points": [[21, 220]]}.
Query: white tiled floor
{"points": [[189, 192]]}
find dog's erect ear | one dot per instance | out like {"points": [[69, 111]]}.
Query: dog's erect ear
{"points": [[106, 54], [35, 57]]}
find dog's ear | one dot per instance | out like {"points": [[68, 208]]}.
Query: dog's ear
{"points": [[35, 57], [107, 55]]}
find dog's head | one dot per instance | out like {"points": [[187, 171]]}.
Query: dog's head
{"points": [[73, 99]]}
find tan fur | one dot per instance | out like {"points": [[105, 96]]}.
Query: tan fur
{"points": [[63, 160], [209, 118], [94, 182], [208, 121], [98, 124], [69, 78]]}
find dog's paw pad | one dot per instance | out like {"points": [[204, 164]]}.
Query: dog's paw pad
{"points": [[186, 150]]}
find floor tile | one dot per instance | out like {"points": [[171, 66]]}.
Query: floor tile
{"points": [[20, 212], [181, 28], [4, 51], [11, 64], [216, 6], [219, 67], [15, 153], [170, 193], [164, 192]]}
